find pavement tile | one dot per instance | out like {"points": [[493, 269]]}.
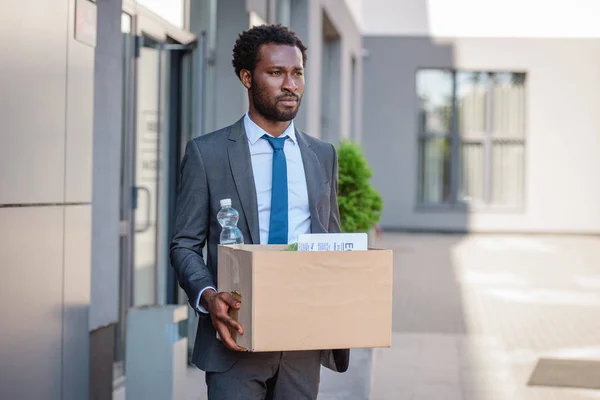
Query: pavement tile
{"points": [[441, 373], [401, 394], [437, 392]]}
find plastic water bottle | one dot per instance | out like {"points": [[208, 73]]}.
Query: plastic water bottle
{"points": [[228, 218]]}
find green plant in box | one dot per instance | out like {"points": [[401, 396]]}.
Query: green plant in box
{"points": [[292, 247], [360, 204]]}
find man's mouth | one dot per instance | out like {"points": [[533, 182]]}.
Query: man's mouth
{"points": [[289, 101]]}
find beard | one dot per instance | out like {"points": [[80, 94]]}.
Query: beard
{"points": [[269, 109]]}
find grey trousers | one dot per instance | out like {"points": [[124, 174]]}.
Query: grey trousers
{"points": [[292, 375]]}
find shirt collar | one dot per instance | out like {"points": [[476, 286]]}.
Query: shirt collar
{"points": [[255, 132]]}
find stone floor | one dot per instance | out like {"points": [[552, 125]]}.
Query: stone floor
{"points": [[472, 315]]}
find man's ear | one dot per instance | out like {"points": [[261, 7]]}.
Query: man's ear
{"points": [[246, 78]]}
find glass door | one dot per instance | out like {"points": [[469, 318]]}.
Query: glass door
{"points": [[148, 176], [125, 209], [161, 100]]}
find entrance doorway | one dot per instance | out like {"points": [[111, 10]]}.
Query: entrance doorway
{"points": [[162, 93]]}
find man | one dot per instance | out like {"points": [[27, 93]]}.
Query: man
{"points": [[283, 183]]}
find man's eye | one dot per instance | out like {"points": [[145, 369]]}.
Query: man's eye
{"points": [[299, 73], [275, 73]]}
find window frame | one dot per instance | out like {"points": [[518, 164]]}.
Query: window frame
{"points": [[487, 141]]}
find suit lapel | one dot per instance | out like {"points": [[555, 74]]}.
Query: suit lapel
{"points": [[314, 181], [241, 168]]}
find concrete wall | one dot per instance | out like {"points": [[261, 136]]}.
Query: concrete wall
{"points": [[107, 165], [203, 23], [46, 107], [221, 21], [105, 268], [562, 167], [311, 33], [228, 92]]}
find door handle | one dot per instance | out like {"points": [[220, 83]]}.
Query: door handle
{"points": [[146, 226]]}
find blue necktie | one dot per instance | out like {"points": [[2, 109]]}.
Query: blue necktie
{"points": [[278, 222]]}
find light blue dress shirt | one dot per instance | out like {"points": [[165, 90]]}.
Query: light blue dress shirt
{"points": [[261, 155]]}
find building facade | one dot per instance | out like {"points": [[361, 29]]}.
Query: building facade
{"points": [[475, 116], [98, 101], [481, 116]]}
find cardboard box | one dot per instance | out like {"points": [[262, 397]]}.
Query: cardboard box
{"points": [[294, 300]]}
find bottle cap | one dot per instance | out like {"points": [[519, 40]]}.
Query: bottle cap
{"points": [[225, 202]]}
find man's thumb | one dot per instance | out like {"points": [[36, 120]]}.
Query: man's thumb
{"points": [[232, 301]]}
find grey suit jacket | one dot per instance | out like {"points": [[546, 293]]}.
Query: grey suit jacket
{"points": [[217, 166]]}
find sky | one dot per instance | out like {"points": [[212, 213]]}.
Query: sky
{"points": [[479, 18]]}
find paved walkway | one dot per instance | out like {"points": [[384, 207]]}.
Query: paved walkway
{"points": [[472, 315]]}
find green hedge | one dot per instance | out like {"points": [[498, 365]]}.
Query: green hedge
{"points": [[360, 204]]}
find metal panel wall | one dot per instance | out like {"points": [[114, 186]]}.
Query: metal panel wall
{"points": [[46, 80], [80, 110], [32, 105], [31, 275], [76, 339]]}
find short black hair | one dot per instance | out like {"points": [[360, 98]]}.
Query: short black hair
{"points": [[247, 46]]}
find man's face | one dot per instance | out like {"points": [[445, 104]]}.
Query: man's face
{"points": [[278, 82]]}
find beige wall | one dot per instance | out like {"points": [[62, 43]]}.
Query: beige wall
{"points": [[562, 162]]}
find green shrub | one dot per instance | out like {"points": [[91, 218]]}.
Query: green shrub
{"points": [[360, 204]]}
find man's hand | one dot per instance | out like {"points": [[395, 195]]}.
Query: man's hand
{"points": [[218, 305]]}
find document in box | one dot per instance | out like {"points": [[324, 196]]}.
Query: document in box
{"points": [[332, 241]]}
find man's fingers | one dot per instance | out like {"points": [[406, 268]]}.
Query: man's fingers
{"points": [[230, 322], [228, 298], [235, 325], [223, 322], [227, 339]]}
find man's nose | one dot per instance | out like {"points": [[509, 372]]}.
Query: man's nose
{"points": [[289, 85]]}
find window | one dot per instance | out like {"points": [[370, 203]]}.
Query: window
{"points": [[471, 137]]}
